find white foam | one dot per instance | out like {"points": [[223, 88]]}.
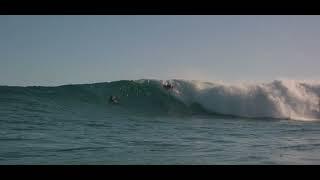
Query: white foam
{"points": [[292, 99]]}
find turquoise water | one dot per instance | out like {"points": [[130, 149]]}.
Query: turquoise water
{"points": [[77, 125]]}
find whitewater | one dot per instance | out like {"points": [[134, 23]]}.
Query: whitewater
{"points": [[195, 122], [297, 100]]}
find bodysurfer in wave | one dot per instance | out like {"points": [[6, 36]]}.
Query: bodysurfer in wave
{"points": [[168, 86], [114, 99]]}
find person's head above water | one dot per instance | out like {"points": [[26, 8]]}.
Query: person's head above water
{"points": [[113, 97], [168, 85]]}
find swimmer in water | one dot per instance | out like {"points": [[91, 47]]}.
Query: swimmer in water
{"points": [[168, 86], [114, 100]]}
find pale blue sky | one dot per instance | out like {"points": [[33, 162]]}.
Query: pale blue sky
{"points": [[55, 50]]}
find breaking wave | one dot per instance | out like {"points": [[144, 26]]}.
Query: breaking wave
{"points": [[284, 99]]}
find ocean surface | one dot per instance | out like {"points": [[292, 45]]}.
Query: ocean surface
{"points": [[193, 123]]}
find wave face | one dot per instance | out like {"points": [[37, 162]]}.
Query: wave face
{"points": [[278, 99]]}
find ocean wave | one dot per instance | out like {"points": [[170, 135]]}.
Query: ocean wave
{"points": [[283, 99]]}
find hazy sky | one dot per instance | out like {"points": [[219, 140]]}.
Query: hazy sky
{"points": [[55, 50]]}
